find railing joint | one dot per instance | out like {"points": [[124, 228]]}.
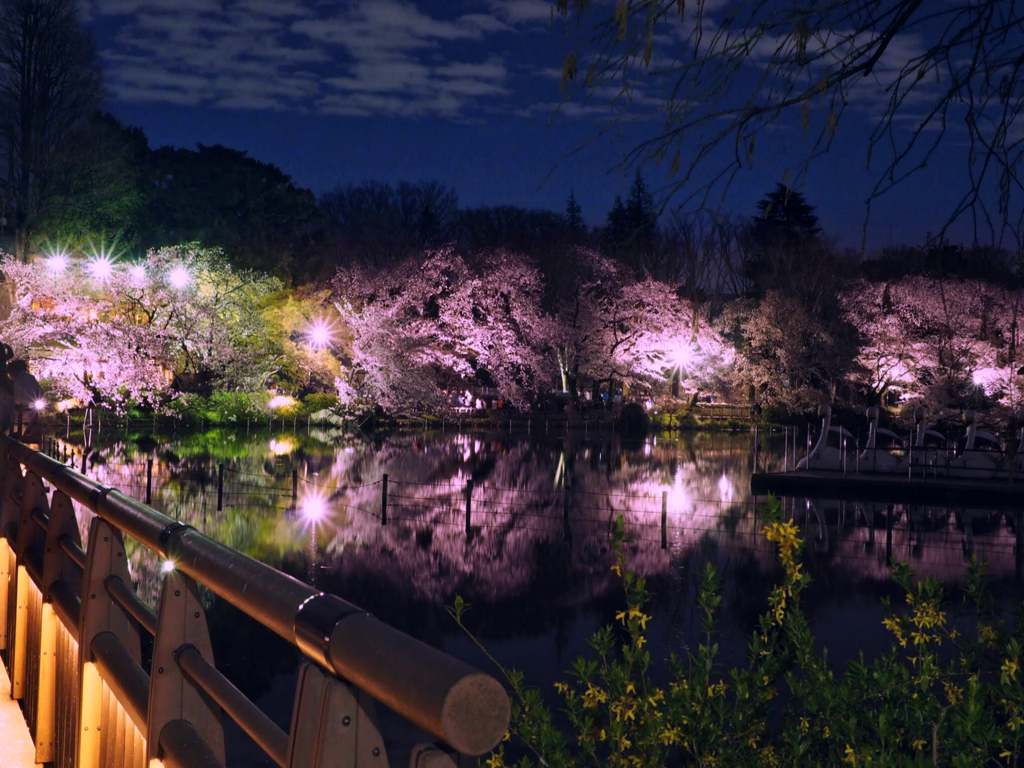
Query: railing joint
{"points": [[172, 530], [315, 621]]}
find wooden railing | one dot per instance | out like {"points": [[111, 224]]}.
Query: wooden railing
{"points": [[71, 628]]}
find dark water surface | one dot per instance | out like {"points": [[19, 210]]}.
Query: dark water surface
{"points": [[535, 563]]}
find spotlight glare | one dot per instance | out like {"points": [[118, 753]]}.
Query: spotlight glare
{"points": [[101, 267], [138, 272], [57, 263], [167, 566], [319, 334], [313, 509], [39, 404], [179, 277]]}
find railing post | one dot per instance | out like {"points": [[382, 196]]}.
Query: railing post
{"points": [[62, 664], [99, 614], [220, 486], [11, 481], [384, 500], [181, 624], [33, 497], [333, 724]]}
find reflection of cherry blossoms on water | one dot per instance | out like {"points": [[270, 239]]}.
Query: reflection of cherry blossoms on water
{"points": [[535, 508]]}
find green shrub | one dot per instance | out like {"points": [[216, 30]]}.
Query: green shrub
{"points": [[320, 401], [236, 407], [949, 691]]}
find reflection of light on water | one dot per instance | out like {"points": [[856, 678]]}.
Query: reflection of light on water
{"points": [[677, 497], [725, 488], [313, 508], [281, 447]]}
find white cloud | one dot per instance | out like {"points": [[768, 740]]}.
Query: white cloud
{"points": [[359, 57], [524, 11]]}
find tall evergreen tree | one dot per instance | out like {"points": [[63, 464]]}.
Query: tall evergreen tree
{"points": [[49, 84], [616, 224], [785, 215], [641, 216], [574, 217]]}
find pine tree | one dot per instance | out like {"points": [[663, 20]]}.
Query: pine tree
{"points": [[616, 225], [573, 217], [785, 215], [640, 214]]}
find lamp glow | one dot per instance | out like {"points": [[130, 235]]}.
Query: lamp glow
{"points": [[39, 405], [682, 356], [138, 272], [179, 277], [167, 566], [57, 263], [319, 334], [101, 267], [280, 401]]}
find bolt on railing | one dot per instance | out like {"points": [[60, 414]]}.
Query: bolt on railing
{"points": [[70, 628]]}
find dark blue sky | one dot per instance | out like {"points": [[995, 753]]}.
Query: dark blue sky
{"points": [[462, 91]]}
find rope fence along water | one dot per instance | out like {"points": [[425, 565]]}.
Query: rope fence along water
{"points": [[559, 506]]}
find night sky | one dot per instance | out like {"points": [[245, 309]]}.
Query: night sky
{"points": [[462, 91]]}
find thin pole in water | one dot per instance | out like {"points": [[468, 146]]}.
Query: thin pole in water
{"points": [[220, 486], [664, 519]]}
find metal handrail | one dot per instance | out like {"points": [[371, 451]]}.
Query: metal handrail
{"points": [[446, 697]]}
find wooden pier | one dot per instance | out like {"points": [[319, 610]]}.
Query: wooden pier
{"points": [[822, 484]]}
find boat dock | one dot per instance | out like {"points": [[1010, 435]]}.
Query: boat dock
{"points": [[824, 484]]}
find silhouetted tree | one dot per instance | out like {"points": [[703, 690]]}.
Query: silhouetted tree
{"points": [[222, 197], [532, 231], [783, 249], [574, 218], [641, 216], [376, 223], [616, 225], [49, 84], [93, 195]]}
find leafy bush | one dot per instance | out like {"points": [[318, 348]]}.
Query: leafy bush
{"points": [[949, 691], [236, 407], [320, 401]]}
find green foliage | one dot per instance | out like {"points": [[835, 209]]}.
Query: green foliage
{"points": [[220, 196], [320, 401], [949, 691]]}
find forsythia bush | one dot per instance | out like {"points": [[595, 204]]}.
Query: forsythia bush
{"points": [[949, 691]]}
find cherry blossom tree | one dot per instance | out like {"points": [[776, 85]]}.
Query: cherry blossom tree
{"points": [[100, 331]]}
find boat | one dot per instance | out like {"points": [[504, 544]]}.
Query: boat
{"points": [[878, 455], [980, 455], [823, 455], [928, 455]]}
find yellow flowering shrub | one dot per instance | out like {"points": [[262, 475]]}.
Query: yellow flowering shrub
{"points": [[949, 691]]}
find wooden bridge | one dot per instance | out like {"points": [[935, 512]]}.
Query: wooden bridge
{"points": [[70, 641]]}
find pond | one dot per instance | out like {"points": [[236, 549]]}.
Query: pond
{"points": [[534, 562]]}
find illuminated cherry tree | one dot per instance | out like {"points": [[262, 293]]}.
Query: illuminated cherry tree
{"points": [[119, 333]]}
